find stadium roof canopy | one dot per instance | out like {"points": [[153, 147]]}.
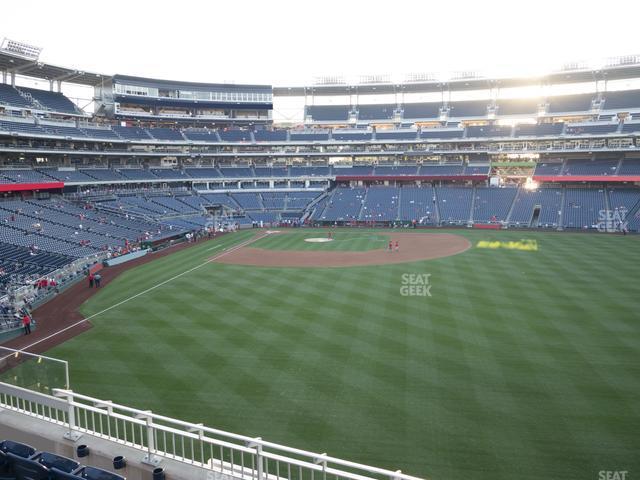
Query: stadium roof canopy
{"points": [[30, 67], [616, 69], [143, 81]]}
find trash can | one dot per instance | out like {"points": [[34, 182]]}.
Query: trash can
{"points": [[82, 451], [158, 473], [119, 462]]}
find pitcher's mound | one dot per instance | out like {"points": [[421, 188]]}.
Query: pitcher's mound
{"points": [[412, 247]]}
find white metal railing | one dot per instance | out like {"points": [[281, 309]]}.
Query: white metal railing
{"points": [[208, 448]]}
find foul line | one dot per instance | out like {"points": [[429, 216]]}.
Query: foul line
{"points": [[206, 262]]}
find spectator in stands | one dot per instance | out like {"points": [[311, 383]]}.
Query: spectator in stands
{"points": [[26, 323]]}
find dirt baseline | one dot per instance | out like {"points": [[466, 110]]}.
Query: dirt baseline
{"points": [[413, 247]]}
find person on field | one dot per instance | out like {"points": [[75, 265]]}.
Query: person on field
{"points": [[26, 323], [91, 280], [97, 280], [390, 246], [397, 246]]}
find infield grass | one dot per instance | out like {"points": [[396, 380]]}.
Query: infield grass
{"points": [[521, 365]]}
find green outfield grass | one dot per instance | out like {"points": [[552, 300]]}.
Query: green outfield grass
{"points": [[521, 365]]}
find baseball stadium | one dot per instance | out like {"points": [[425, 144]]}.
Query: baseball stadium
{"points": [[416, 279]]}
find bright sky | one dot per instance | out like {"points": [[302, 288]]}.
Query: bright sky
{"points": [[290, 42]]}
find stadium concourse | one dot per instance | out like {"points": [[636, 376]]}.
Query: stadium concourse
{"points": [[231, 311]]}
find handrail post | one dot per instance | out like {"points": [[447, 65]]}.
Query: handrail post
{"points": [[71, 434], [259, 465], [150, 458], [322, 460]]}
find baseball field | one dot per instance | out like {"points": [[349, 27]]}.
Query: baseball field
{"points": [[512, 355]]}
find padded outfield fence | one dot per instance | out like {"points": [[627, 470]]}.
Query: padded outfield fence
{"points": [[159, 437]]}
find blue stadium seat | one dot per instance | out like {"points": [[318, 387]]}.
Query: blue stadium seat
{"points": [[570, 103], [27, 469], [421, 110], [325, 113], [54, 101], [376, 112]]}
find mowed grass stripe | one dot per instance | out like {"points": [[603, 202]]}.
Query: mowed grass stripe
{"points": [[522, 364]]}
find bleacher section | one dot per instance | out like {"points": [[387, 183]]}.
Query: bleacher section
{"points": [[381, 205], [593, 129], [622, 100], [415, 111], [475, 131], [547, 201], [131, 133], [492, 204], [201, 135], [344, 205], [454, 204], [63, 130], [11, 97], [54, 101], [270, 135], [308, 136], [451, 131], [570, 103], [101, 133], [418, 204], [582, 207], [441, 134], [27, 127], [469, 108], [404, 134], [327, 113], [351, 135], [166, 134], [630, 167], [376, 112], [539, 130], [522, 107], [235, 136], [549, 168], [589, 166]]}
